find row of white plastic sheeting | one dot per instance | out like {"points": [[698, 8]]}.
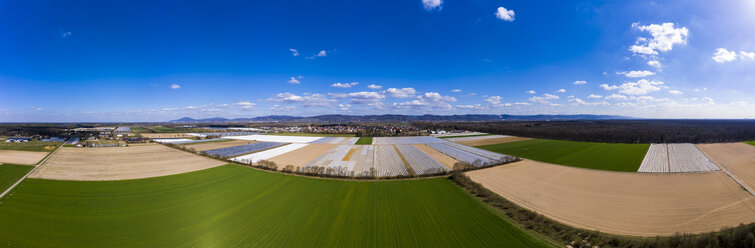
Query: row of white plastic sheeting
{"points": [[277, 138], [477, 137], [457, 134], [687, 158], [324, 140], [388, 163], [684, 157], [420, 162], [170, 140], [223, 134], [198, 141], [406, 140], [656, 159], [267, 154], [471, 155]]}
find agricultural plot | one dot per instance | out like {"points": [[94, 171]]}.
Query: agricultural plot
{"points": [[675, 158], [324, 140], [31, 146], [221, 134], [592, 155], [388, 163], [164, 135], [10, 173], [204, 146], [267, 154], [21, 157], [118, 163], [231, 206], [491, 141], [737, 158], [276, 138], [242, 149], [406, 140], [301, 157], [420, 162], [475, 137], [637, 204], [470, 155], [443, 159], [172, 141], [364, 141], [341, 160]]}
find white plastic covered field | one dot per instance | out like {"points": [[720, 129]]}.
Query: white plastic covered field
{"points": [[277, 138], [171, 140], [683, 157], [406, 140], [267, 154]]}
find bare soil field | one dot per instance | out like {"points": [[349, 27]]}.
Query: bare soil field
{"points": [[119, 163], [737, 158], [21, 157], [483, 142], [165, 135], [302, 156], [636, 204], [438, 156], [218, 144]]}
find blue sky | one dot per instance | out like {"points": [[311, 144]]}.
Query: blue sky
{"points": [[147, 61]]}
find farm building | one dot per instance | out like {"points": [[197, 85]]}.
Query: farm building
{"points": [[18, 140]]}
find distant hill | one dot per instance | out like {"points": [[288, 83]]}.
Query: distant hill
{"points": [[400, 118]]}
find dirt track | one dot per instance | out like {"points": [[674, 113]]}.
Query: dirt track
{"points": [[301, 157], [737, 158], [637, 204], [21, 157], [482, 142], [218, 144], [118, 163]]}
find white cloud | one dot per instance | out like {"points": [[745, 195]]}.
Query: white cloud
{"points": [[244, 103], [708, 100], [66, 34], [505, 14], [432, 4], [366, 98], [308, 100], [578, 101], [676, 92], [175, 86], [635, 74], [293, 80], [456, 90], [641, 87], [401, 93], [294, 52], [344, 106], [495, 100], [616, 97], [286, 97], [322, 53], [429, 99], [746, 55], [475, 106], [580, 82], [722, 55], [374, 86], [561, 91], [664, 37], [284, 108], [344, 85], [594, 96], [655, 63], [606, 87], [338, 95], [531, 92], [543, 99]]}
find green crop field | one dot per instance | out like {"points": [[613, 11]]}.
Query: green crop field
{"points": [[165, 130], [750, 142], [32, 146], [10, 173], [138, 129], [316, 134], [602, 156], [364, 141], [233, 206]]}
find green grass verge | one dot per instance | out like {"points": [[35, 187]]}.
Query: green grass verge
{"points": [[31, 146], [750, 142], [459, 136], [233, 206], [10, 173], [602, 156], [316, 134], [364, 141]]}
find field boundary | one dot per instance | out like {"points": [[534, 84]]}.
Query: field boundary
{"points": [[728, 173], [36, 166]]}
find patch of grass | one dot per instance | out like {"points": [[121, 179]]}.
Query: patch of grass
{"points": [[316, 134], [10, 173], [601, 156], [459, 136], [750, 142], [232, 206], [364, 141], [165, 130], [138, 129], [31, 146]]}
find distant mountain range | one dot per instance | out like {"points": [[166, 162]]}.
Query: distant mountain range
{"points": [[400, 118]]}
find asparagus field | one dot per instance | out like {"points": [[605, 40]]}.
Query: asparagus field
{"points": [[231, 206]]}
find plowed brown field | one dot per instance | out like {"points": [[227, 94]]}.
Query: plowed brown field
{"points": [[438, 156], [118, 163], [21, 157], [737, 158], [302, 156], [625, 203]]}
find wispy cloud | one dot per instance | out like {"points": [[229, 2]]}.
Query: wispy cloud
{"points": [[432, 4], [175, 86], [344, 85]]}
